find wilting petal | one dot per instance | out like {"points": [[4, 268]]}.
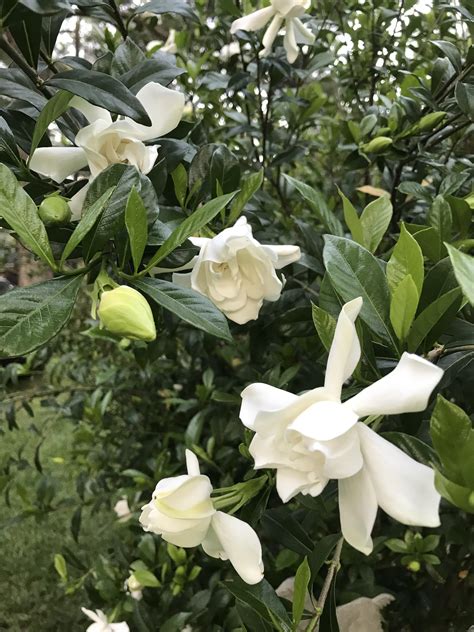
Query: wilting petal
{"points": [[344, 353], [302, 34], [91, 112], [404, 488], [252, 22], [270, 34], [323, 421], [261, 398], [406, 389], [284, 255], [58, 163], [289, 42], [358, 509], [235, 540], [163, 106]]}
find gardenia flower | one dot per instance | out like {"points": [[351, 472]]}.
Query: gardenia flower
{"points": [[312, 438], [122, 510], [236, 272], [101, 623], [279, 12], [105, 142], [181, 511]]}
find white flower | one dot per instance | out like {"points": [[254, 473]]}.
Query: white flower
{"points": [[101, 623], [312, 438], [236, 272], [279, 12], [170, 45], [122, 510], [229, 50], [181, 511], [105, 142]]}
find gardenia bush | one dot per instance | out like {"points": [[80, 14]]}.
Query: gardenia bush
{"points": [[259, 212]]}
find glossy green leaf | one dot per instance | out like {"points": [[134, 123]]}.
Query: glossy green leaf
{"points": [[180, 182], [465, 98], [168, 6], [352, 219], [30, 316], [126, 56], [463, 266], [189, 305], [354, 272], [56, 106], [325, 325], [249, 185], [263, 600], [440, 218], [137, 226], [374, 221], [302, 579], [458, 495], [318, 205], [21, 214], [403, 306], [430, 316], [406, 258]]}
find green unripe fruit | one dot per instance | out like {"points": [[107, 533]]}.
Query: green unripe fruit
{"points": [[377, 145], [54, 210], [414, 566], [125, 312]]}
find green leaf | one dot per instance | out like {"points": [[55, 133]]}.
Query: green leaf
{"points": [[302, 578], [465, 98], [375, 220], [354, 272], [318, 205], [137, 227], [463, 266], [440, 217], [189, 305], [406, 258], [27, 36], [21, 214], [263, 600], [458, 495], [429, 318], [31, 316], [450, 51], [190, 226], [453, 439], [180, 182], [102, 90], [126, 56], [87, 221], [168, 6], [146, 578], [60, 566], [249, 185], [403, 306], [321, 552], [325, 325], [54, 108], [396, 545], [352, 219]]}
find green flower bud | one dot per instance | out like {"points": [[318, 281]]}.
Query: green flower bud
{"points": [[430, 121], [54, 210], [125, 312], [133, 583], [377, 145], [414, 566]]}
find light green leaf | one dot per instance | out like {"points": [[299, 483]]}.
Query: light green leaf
{"points": [[87, 221], [137, 227], [440, 217], [463, 266], [249, 185], [458, 495], [318, 205], [430, 316], [407, 258], [302, 578], [30, 316], [403, 306], [54, 108], [352, 219], [21, 214], [325, 325], [189, 305], [60, 566], [375, 220], [180, 182], [146, 578], [354, 272], [190, 226]]}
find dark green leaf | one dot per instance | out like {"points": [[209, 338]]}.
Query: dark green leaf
{"points": [[249, 185], [136, 223], [262, 599], [168, 6], [429, 318], [318, 205], [302, 578], [56, 106]]}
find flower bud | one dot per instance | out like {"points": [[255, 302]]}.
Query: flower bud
{"points": [[377, 145], [125, 312], [430, 121], [54, 210], [414, 566], [133, 584]]}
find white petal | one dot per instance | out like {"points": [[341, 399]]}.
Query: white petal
{"points": [[163, 106], [192, 464], [58, 163], [303, 35], [93, 615], [262, 398], [184, 280], [358, 509], [189, 537], [91, 112], [406, 389], [404, 488], [76, 203], [272, 32], [323, 421], [185, 494], [284, 255], [266, 452], [290, 482], [344, 353], [120, 627], [246, 313], [235, 540], [252, 22], [289, 42]]}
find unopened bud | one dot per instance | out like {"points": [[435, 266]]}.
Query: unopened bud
{"points": [[430, 121], [125, 312], [133, 583], [54, 210], [414, 566], [377, 145]]}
